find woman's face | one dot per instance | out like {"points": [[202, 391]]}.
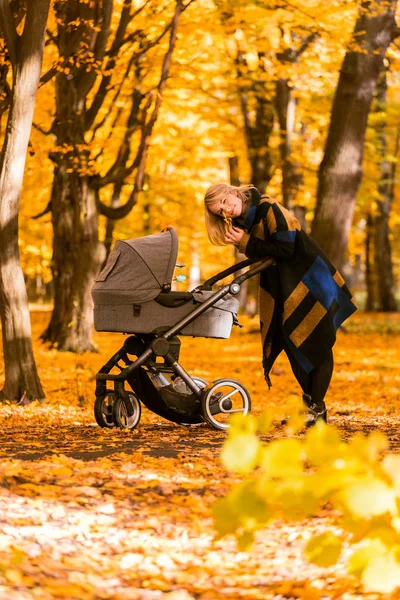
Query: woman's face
{"points": [[231, 206]]}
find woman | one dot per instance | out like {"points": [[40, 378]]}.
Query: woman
{"points": [[303, 298]]}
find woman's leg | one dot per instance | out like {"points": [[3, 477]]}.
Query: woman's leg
{"points": [[314, 385], [320, 379]]}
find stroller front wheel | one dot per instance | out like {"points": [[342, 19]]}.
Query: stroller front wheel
{"points": [[103, 410], [224, 398], [120, 414]]}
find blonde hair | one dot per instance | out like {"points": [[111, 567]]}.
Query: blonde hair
{"points": [[215, 224]]}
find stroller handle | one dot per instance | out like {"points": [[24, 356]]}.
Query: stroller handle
{"points": [[207, 285], [261, 266]]}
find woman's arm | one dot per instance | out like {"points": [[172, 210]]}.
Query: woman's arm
{"points": [[281, 226]]}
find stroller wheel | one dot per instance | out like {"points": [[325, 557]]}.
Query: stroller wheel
{"points": [[103, 410], [202, 383], [224, 398], [120, 414]]}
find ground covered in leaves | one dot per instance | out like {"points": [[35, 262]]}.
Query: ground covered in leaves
{"points": [[89, 513]]}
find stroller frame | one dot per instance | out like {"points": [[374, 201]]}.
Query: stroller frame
{"points": [[166, 345]]}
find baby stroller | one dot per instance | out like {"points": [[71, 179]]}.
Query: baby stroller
{"points": [[132, 295]]}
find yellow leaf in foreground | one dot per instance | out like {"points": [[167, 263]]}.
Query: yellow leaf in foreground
{"points": [[382, 575], [282, 458], [239, 424], [322, 443], [265, 421], [324, 550], [369, 551], [391, 465], [245, 541], [369, 498], [368, 448], [240, 453]]}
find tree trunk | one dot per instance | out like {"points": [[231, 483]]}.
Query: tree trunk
{"points": [[77, 256], [383, 252], [258, 116], [258, 136], [26, 53], [110, 223], [300, 214], [369, 265], [286, 109], [340, 171], [234, 179]]}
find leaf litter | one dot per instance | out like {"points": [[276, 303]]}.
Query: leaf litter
{"points": [[90, 513]]}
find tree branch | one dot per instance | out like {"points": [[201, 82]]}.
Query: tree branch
{"points": [[8, 28], [100, 33], [51, 38], [39, 128], [118, 41], [140, 160], [43, 212], [115, 121], [101, 94], [309, 40], [118, 171], [104, 20], [166, 65], [154, 42]]}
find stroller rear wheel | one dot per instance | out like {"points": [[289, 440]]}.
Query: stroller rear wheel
{"points": [[103, 410], [120, 414], [224, 398]]}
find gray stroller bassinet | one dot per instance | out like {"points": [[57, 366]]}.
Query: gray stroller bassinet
{"points": [[133, 295]]}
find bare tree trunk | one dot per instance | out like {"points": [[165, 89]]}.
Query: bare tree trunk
{"points": [[257, 136], [26, 54], [286, 105], [300, 214], [77, 256], [234, 179], [340, 171], [234, 175], [258, 116], [286, 109], [383, 252], [369, 265]]}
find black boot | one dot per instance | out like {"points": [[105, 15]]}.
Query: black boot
{"points": [[314, 411]]}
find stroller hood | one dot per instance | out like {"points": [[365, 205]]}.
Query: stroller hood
{"points": [[137, 269]]}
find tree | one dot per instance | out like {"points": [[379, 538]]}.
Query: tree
{"points": [[25, 52], [286, 105], [340, 170], [99, 90], [256, 102], [383, 252], [264, 66]]}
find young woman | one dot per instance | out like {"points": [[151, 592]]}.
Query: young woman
{"points": [[303, 298]]}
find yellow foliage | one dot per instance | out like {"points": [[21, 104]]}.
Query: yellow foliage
{"points": [[351, 476], [324, 549]]}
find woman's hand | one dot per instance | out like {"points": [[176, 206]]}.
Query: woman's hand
{"points": [[233, 236]]}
